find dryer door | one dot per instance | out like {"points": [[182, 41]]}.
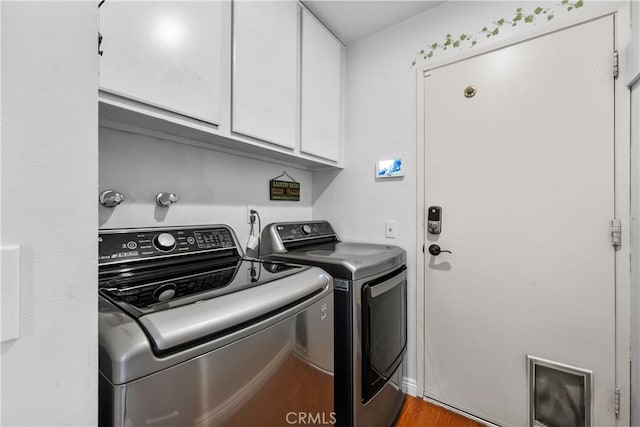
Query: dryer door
{"points": [[384, 330]]}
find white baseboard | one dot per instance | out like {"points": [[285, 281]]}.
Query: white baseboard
{"points": [[410, 385], [458, 411]]}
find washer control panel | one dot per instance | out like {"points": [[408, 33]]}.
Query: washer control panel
{"points": [[303, 230], [127, 245]]}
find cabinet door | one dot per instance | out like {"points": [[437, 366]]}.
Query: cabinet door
{"points": [[164, 53], [321, 71], [265, 70]]}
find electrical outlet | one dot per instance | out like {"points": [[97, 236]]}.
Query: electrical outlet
{"points": [[390, 226], [249, 209]]}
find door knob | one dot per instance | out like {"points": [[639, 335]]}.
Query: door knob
{"points": [[435, 250]]}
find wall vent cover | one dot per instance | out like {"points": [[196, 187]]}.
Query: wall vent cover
{"points": [[559, 394]]}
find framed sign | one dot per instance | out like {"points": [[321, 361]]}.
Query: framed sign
{"points": [[288, 191]]}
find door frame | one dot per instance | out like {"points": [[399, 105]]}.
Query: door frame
{"points": [[622, 159]]}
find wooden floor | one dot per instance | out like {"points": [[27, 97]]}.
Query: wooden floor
{"points": [[418, 413]]}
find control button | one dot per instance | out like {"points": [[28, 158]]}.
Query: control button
{"points": [[164, 242], [306, 230], [132, 245], [191, 240], [165, 292]]}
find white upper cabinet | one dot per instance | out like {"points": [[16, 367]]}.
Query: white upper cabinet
{"points": [[164, 53], [265, 71], [321, 84], [257, 77]]}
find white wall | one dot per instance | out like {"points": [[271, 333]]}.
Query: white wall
{"points": [[49, 185], [381, 123], [212, 187]]}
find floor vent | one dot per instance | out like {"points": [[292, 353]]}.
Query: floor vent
{"points": [[559, 394]]}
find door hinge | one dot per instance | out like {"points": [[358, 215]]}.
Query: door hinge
{"points": [[616, 233], [616, 402], [616, 64]]}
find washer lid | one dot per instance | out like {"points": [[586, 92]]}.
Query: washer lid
{"points": [[163, 289], [224, 314], [133, 347]]}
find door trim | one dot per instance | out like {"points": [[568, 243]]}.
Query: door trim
{"points": [[622, 204]]}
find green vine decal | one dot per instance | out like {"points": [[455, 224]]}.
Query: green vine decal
{"points": [[520, 16]]}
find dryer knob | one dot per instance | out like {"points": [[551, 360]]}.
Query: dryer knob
{"points": [[164, 242], [306, 229]]}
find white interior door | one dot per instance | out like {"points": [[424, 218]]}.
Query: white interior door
{"points": [[524, 173]]}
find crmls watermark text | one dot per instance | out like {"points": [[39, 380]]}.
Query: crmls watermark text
{"points": [[328, 418]]}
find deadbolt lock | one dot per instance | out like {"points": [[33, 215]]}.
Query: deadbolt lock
{"points": [[470, 91]]}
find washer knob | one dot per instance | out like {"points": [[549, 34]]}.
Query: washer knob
{"points": [[164, 242], [306, 229], [165, 292]]}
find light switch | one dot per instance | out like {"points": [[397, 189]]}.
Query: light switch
{"points": [[390, 229], [10, 293]]}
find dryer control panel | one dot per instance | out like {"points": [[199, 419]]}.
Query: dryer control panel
{"points": [[280, 237], [303, 230]]}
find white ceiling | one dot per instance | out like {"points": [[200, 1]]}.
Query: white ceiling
{"points": [[352, 20]]}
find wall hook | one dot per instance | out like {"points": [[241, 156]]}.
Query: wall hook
{"points": [[110, 198], [284, 174], [166, 199]]}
